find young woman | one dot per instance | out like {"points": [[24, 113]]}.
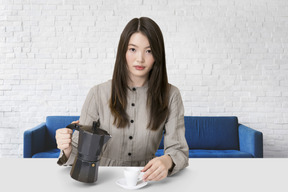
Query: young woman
{"points": [[135, 108]]}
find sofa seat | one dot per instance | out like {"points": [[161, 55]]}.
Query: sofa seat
{"points": [[202, 153], [53, 153]]}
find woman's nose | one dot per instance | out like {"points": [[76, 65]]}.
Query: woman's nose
{"points": [[140, 57]]}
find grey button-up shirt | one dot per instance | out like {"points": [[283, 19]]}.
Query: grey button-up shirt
{"points": [[134, 145]]}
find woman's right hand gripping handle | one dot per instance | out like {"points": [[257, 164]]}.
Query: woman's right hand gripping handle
{"points": [[64, 140]]}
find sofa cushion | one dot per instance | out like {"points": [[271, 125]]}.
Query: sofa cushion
{"points": [[198, 153], [159, 152], [52, 153], [53, 123], [202, 153], [215, 133]]}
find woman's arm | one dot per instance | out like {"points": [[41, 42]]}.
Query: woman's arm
{"points": [[175, 145], [88, 115]]}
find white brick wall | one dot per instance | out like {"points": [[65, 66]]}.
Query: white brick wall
{"points": [[228, 57]]}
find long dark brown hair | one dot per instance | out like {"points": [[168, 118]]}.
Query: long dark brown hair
{"points": [[158, 87]]}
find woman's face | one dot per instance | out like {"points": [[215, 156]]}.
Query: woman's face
{"points": [[139, 57]]}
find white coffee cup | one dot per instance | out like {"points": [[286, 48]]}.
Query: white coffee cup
{"points": [[131, 175]]}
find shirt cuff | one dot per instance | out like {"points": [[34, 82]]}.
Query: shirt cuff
{"points": [[172, 167], [179, 163], [63, 160]]}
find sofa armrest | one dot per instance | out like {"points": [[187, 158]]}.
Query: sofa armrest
{"points": [[34, 140], [250, 141]]}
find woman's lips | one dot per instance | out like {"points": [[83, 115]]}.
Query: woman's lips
{"points": [[139, 67]]}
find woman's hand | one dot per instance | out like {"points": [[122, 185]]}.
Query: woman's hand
{"points": [[157, 168], [64, 139]]}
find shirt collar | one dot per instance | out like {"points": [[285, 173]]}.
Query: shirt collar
{"points": [[145, 86]]}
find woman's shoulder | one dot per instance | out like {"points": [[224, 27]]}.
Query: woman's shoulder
{"points": [[104, 87], [173, 90], [174, 95]]}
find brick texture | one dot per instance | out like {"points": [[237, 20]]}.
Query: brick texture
{"points": [[227, 57]]}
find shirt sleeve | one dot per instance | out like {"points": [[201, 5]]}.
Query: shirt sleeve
{"points": [[88, 115], [175, 143]]}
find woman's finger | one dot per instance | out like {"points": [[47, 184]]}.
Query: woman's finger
{"points": [[63, 146], [66, 141], [149, 169], [147, 166], [154, 174], [156, 169], [160, 176], [64, 130], [64, 136]]}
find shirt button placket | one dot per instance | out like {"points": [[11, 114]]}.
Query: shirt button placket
{"points": [[132, 125]]}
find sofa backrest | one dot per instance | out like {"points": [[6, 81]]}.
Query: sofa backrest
{"points": [[200, 132], [211, 132], [52, 124]]}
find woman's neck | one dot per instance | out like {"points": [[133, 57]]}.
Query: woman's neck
{"points": [[136, 82]]}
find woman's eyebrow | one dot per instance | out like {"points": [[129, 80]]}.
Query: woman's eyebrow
{"points": [[131, 44]]}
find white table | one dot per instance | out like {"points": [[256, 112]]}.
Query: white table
{"points": [[205, 175]]}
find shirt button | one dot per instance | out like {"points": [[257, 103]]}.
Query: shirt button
{"points": [[129, 154], [133, 104], [132, 121], [130, 137], [134, 89]]}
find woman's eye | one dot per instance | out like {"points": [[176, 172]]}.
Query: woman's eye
{"points": [[149, 51], [132, 49]]}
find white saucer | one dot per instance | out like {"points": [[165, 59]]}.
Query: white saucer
{"points": [[122, 183]]}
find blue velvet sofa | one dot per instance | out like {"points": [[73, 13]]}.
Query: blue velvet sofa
{"points": [[207, 137]]}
